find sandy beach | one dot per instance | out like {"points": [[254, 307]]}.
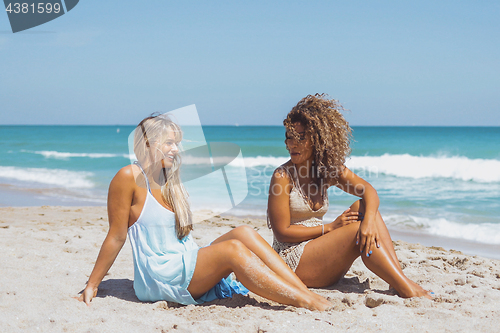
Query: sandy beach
{"points": [[49, 252]]}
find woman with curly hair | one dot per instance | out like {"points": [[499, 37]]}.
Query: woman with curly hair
{"points": [[318, 138]]}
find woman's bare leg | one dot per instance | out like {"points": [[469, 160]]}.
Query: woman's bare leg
{"points": [[219, 260], [383, 232], [326, 259], [260, 247], [359, 206]]}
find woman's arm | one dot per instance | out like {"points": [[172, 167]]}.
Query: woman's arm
{"points": [[278, 210], [120, 195], [368, 236]]}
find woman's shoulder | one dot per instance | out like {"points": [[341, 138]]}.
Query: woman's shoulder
{"points": [[283, 171], [126, 176], [127, 172], [335, 175]]}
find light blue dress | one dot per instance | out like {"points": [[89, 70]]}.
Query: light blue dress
{"points": [[163, 264]]}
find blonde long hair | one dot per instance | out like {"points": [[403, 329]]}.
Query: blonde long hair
{"points": [[150, 131]]}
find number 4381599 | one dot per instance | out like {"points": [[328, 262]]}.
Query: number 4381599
{"points": [[25, 8]]}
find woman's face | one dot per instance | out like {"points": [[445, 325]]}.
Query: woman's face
{"points": [[167, 149], [300, 150]]}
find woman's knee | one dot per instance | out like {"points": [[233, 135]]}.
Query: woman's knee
{"points": [[244, 231], [358, 206], [235, 252], [234, 246]]}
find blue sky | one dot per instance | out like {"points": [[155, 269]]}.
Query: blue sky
{"points": [[248, 62]]}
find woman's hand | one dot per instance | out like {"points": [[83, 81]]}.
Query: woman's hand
{"points": [[347, 217], [87, 295], [367, 237]]}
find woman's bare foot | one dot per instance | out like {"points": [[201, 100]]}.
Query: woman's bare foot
{"points": [[315, 302], [415, 290]]}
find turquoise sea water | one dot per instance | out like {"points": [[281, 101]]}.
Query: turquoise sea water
{"points": [[442, 181]]}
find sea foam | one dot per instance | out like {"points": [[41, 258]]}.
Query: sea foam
{"points": [[405, 165], [55, 177], [251, 162], [66, 155], [488, 233], [409, 166]]}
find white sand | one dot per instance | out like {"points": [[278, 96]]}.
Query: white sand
{"points": [[48, 253]]}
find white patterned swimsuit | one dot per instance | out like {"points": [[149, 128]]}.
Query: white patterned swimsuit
{"points": [[300, 213]]}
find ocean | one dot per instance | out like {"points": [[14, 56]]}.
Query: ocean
{"points": [[436, 181]]}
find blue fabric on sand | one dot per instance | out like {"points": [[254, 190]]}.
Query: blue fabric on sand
{"points": [[163, 264]]}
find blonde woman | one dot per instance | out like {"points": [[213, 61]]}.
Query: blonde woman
{"points": [[148, 202], [317, 138]]}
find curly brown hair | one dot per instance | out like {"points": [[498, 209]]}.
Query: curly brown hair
{"points": [[330, 133]]}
